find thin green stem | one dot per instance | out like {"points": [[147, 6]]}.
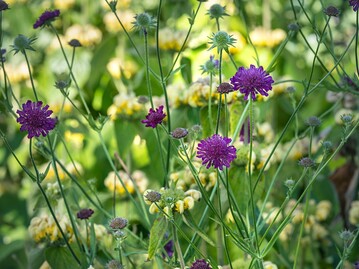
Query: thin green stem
{"points": [[38, 182], [178, 247], [30, 74], [221, 94], [163, 84], [210, 103], [70, 70], [185, 41], [251, 192]]}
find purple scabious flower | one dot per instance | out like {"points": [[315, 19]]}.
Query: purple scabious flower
{"points": [[169, 248], [85, 213], [200, 264], [3, 5], [252, 81], [215, 151], [35, 119], [354, 4], [46, 17], [154, 117]]}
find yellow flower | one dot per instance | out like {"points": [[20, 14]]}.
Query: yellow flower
{"points": [[179, 206], [113, 183], [267, 38], [154, 208], [196, 195], [354, 213], [112, 24], [171, 39], [87, 34], [323, 210], [269, 265], [188, 202]]}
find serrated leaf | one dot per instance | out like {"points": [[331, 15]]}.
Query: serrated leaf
{"points": [[157, 233]]}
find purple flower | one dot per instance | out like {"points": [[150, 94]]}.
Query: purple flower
{"points": [[200, 264], [215, 151], [354, 4], [3, 5], [85, 213], [46, 17], [356, 264], [154, 117], [35, 119], [252, 81], [169, 248]]}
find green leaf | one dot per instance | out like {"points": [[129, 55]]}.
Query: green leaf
{"points": [[190, 222], [157, 233], [7, 249], [60, 257], [186, 72]]}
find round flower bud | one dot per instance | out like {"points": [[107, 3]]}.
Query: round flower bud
{"points": [[314, 121], [216, 11], [22, 43], [118, 223], [151, 196], [114, 265], [221, 40], [346, 235], [179, 133], [331, 11], [75, 43], [225, 87], [293, 27], [144, 21], [327, 145], [306, 162], [289, 183], [291, 89]]}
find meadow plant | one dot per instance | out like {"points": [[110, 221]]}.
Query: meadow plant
{"points": [[179, 134]]}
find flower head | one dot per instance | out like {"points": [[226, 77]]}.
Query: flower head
{"points": [[144, 22], [217, 11], [313, 121], [154, 117], [306, 162], [113, 264], [215, 151], [85, 213], [225, 87], [75, 43], [200, 264], [46, 18], [179, 133], [221, 40], [35, 119], [210, 66], [118, 223], [3, 5], [169, 248], [332, 11], [2, 55], [22, 43], [354, 4], [252, 81]]}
